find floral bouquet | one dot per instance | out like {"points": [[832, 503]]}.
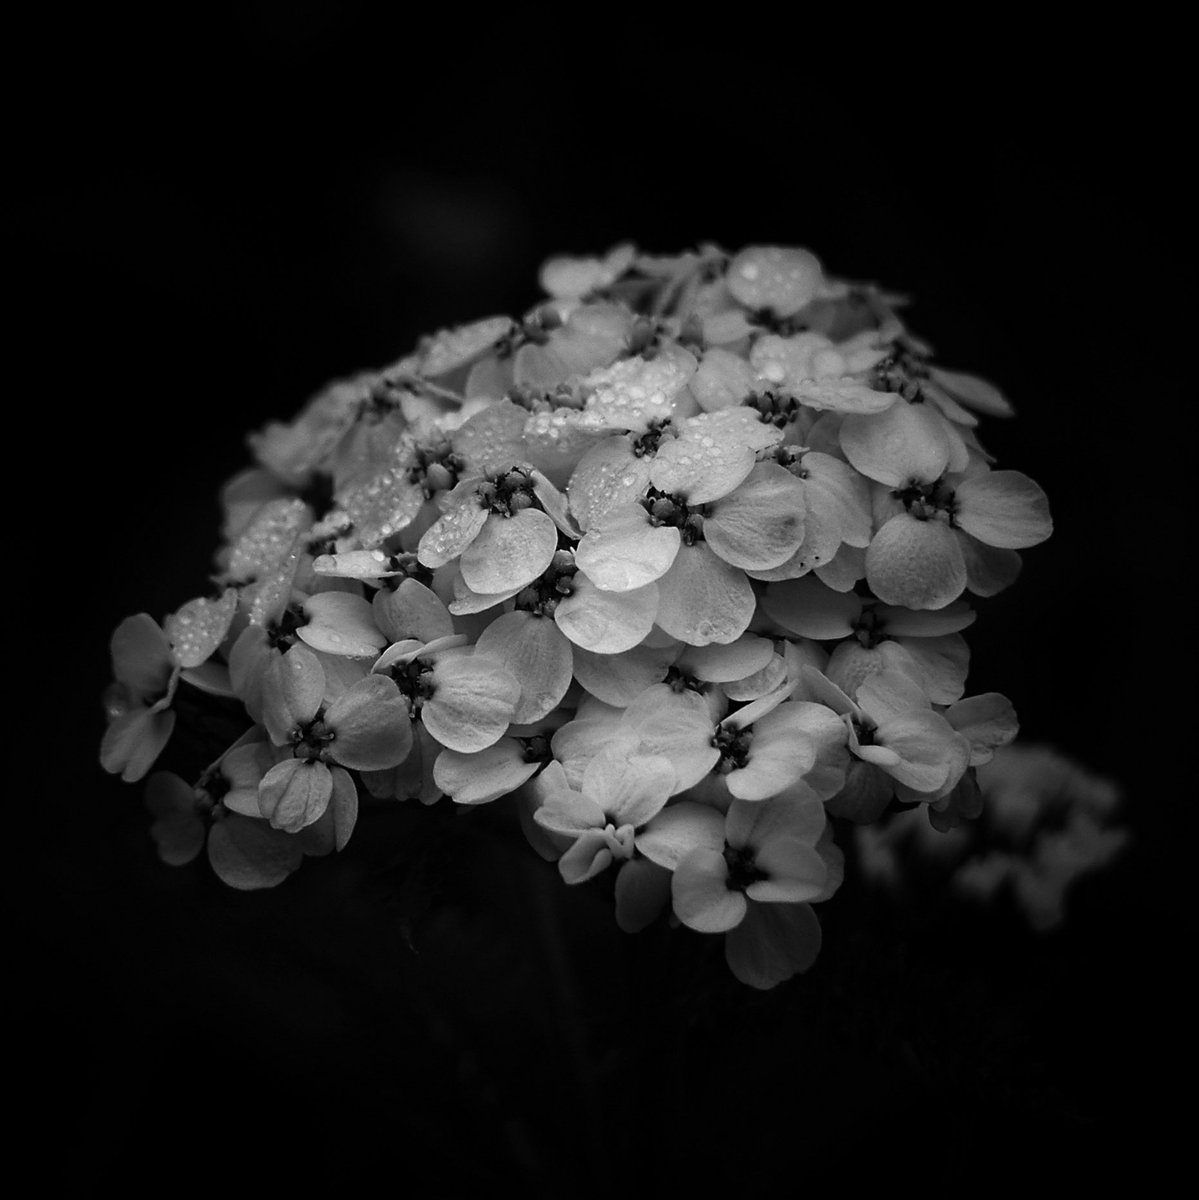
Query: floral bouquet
{"points": [[675, 567]]}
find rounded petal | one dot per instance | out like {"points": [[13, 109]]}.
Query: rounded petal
{"points": [[623, 550], [761, 523], [341, 623], [248, 854], [630, 789], [534, 649], [1004, 509], [618, 679], [642, 893], [988, 570], [677, 725], [727, 662], [590, 854], [411, 611], [987, 721], [134, 740], [293, 689], [811, 609], [703, 599], [606, 622], [700, 894], [906, 442], [294, 793], [780, 278], [141, 656], [371, 723], [712, 455], [509, 551], [485, 775], [472, 704], [451, 534], [773, 943], [916, 564], [607, 476], [199, 627], [343, 806], [678, 830]]}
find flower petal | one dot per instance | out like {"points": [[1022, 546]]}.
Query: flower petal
{"points": [[141, 656], [630, 789], [811, 609], [642, 893], [618, 679], [509, 551], [700, 894], [916, 564], [294, 793], [485, 775], [774, 943], [249, 854], [452, 533], [703, 599], [534, 649], [199, 627], [293, 689], [473, 700], [623, 550], [780, 278], [988, 721], [371, 725], [1004, 509], [678, 830], [606, 622], [712, 455], [341, 623], [677, 725], [906, 442], [607, 476], [761, 523], [411, 611]]}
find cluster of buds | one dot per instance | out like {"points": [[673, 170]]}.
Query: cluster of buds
{"points": [[677, 566]]}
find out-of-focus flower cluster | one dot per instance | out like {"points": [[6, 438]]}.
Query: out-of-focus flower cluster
{"points": [[677, 565], [1047, 822]]}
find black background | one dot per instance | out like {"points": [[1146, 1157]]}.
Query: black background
{"points": [[212, 221]]}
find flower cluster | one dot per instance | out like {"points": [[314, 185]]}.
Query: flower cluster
{"points": [[679, 563]]}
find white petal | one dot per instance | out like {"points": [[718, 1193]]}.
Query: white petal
{"points": [[1004, 509], [606, 622], [623, 550], [509, 551], [537, 654], [916, 564], [472, 704], [761, 524], [907, 442], [700, 894], [702, 599]]}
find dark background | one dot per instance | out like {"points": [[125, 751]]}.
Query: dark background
{"points": [[212, 221]]}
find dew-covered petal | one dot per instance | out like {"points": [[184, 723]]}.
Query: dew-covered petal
{"points": [[906, 442], [987, 721], [761, 523], [248, 854], [633, 392], [677, 725], [451, 533], [474, 697], [492, 439], [141, 656], [381, 503], [642, 893], [606, 622], [293, 688], [630, 789], [341, 623], [294, 793], [371, 725], [607, 476], [780, 278], [534, 649], [268, 541], [485, 775], [916, 564], [618, 679], [772, 944], [807, 607], [703, 599], [199, 627], [1004, 509], [449, 349], [712, 455], [678, 830], [700, 894], [510, 551], [623, 550]]}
